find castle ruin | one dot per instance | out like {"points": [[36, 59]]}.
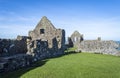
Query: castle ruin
{"points": [[44, 41], [95, 46]]}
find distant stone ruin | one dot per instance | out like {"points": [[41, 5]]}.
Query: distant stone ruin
{"points": [[76, 38], [95, 46]]}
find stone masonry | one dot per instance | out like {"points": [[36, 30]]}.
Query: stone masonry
{"points": [[46, 40], [46, 31], [13, 54], [11, 47], [95, 46], [76, 38], [100, 47]]}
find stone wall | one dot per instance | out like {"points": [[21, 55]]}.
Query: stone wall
{"points": [[14, 62], [94, 46], [40, 50], [11, 47], [102, 47], [13, 54]]}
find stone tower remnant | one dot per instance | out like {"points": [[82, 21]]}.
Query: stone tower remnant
{"points": [[76, 38]]}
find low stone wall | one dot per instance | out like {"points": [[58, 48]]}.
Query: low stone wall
{"points": [[10, 47], [14, 62], [15, 54], [102, 47]]}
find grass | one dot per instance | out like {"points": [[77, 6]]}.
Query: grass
{"points": [[72, 49], [78, 65]]}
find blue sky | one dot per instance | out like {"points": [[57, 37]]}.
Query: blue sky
{"points": [[92, 18]]}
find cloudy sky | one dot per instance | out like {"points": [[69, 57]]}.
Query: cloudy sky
{"points": [[92, 18]]}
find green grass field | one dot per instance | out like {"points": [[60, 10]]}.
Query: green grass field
{"points": [[78, 65]]}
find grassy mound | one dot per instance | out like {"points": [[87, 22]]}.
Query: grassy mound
{"points": [[79, 65]]}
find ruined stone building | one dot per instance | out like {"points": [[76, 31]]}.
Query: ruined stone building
{"points": [[46, 40], [76, 38], [43, 42], [45, 31], [95, 46]]}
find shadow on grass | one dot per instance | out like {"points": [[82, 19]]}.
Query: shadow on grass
{"points": [[71, 52], [65, 53], [18, 73]]}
